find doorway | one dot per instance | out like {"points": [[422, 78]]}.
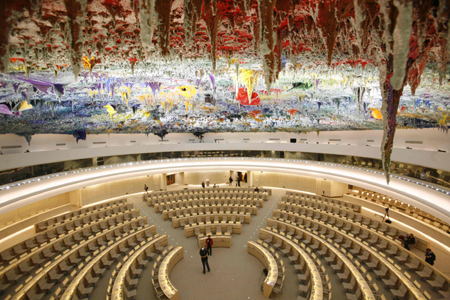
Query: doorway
{"points": [[170, 179], [242, 176]]}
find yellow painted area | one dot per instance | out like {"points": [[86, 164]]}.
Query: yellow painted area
{"points": [[248, 77], [110, 109], [188, 105], [25, 105], [376, 114], [187, 91]]}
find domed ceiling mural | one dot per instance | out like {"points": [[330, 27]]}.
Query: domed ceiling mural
{"points": [[161, 66]]}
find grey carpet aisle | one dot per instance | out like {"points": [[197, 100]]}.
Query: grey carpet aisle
{"points": [[235, 274]]}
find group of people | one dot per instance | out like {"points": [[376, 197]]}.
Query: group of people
{"points": [[409, 240], [206, 251]]}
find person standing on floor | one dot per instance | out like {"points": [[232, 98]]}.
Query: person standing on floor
{"points": [[204, 255], [209, 244], [429, 256], [231, 180], [203, 184], [146, 188], [238, 181]]}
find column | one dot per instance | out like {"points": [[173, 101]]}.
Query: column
{"points": [[250, 178], [75, 198], [163, 181]]}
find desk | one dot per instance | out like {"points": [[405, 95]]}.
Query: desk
{"points": [[269, 262], [219, 241], [189, 231], [316, 285], [117, 290], [166, 266], [21, 293], [223, 217]]}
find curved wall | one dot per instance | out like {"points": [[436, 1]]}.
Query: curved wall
{"points": [[424, 143], [429, 200]]}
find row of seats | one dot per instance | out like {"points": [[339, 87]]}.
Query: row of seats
{"points": [[399, 206], [76, 214], [160, 245], [353, 280], [205, 203], [211, 219], [163, 287], [84, 281], [200, 210], [338, 213], [124, 285], [200, 230], [371, 248], [364, 234], [51, 248], [313, 284], [206, 196], [73, 259], [281, 269], [309, 200], [239, 190]]}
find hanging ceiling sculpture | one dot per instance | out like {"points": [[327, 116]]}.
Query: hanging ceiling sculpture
{"points": [[162, 66]]}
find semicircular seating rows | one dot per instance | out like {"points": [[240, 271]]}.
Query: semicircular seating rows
{"points": [[361, 257], [218, 212], [72, 252]]}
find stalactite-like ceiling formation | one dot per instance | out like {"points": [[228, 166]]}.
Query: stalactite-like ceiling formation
{"points": [[49, 34], [331, 64]]}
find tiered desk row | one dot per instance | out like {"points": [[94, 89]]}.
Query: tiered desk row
{"points": [[335, 215], [211, 219], [372, 243], [345, 270], [70, 253], [193, 195], [193, 210], [125, 283], [311, 200], [164, 285], [311, 283], [201, 230], [83, 212], [213, 211], [137, 242], [400, 206], [269, 262], [94, 221]]}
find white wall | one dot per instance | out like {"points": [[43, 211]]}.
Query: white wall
{"points": [[330, 188], [196, 178], [289, 181]]}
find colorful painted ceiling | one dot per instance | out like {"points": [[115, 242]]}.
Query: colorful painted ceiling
{"points": [[161, 66]]}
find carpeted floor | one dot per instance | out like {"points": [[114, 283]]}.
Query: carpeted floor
{"points": [[235, 274]]}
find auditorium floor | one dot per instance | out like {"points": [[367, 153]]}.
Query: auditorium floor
{"points": [[235, 274]]}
